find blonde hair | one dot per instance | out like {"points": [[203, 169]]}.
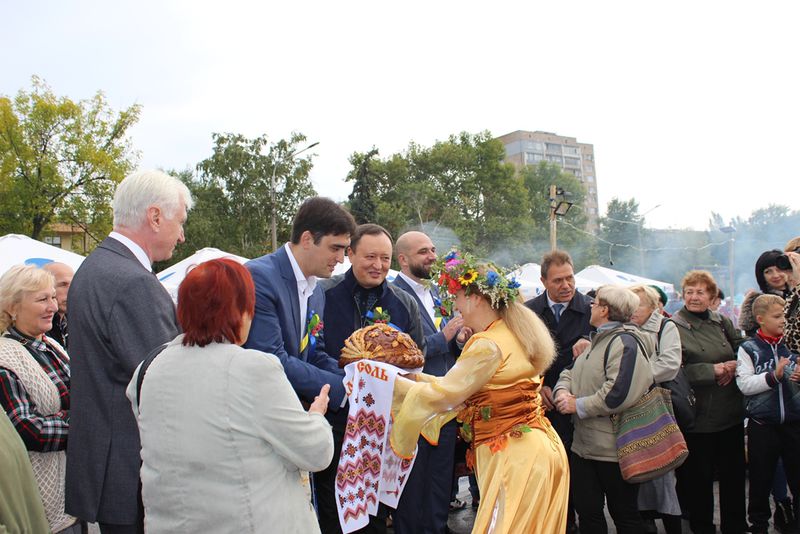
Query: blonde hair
{"points": [[763, 303], [621, 302], [647, 295], [792, 245], [17, 281], [531, 333]]}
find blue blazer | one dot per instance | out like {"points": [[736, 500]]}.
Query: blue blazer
{"points": [[440, 355], [276, 329]]}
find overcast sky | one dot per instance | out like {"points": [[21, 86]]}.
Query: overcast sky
{"points": [[691, 106]]}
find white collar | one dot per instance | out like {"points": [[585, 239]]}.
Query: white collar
{"points": [[416, 286], [135, 248], [310, 282], [551, 302]]}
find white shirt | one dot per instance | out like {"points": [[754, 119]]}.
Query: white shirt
{"points": [[424, 295], [305, 287], [133, 247]]}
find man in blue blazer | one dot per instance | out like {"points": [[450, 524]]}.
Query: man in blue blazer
{"points": [[289, 303], [425, 503]]}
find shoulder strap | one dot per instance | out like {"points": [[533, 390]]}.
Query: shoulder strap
{"points": [[143, 369], [608, 348], [664, 322]]}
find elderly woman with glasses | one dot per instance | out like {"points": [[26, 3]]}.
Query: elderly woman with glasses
{"points": [[709, 342], [34, 382], [593, 389]]}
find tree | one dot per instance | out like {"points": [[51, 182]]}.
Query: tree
{"points": [[461, 184], [361, 203], [233, 197], [61, 160], [621, 229], [571, 234]]}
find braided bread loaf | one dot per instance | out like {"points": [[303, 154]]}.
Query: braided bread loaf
{"points": [[382, 343]]}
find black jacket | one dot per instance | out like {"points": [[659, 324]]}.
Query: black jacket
{"points": [[572, 326]]}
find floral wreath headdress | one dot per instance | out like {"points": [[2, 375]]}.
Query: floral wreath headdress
{"points": [[460, 270]]}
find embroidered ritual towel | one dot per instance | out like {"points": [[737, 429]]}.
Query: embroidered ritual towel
{"points": [[369, 471]]}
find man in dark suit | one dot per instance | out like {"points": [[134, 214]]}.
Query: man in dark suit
{"points": [[424, 505], [566, 314], [119, 312], [349, 299], [289, 303], [63, 275]]}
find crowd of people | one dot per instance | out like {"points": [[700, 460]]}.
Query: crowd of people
{"points": [[228, 412]]}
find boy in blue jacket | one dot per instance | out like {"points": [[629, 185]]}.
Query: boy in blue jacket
{"points": [[772, 404]]}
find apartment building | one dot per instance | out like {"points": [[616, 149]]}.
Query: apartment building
{"points": [[529, 148]]}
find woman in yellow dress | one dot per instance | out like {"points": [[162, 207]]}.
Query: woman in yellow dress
{"points": [[519, 460]]}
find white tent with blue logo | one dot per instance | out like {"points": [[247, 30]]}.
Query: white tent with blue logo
{"points": [[18, 249], [171, 277]]}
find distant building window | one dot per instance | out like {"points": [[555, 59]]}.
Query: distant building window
{"points": [[534, 146], [589, 167], [589, 157], [530, 157], [572, 162], [571, 150], [553, 148], [589, 178], [554, 159], [55, 241]]}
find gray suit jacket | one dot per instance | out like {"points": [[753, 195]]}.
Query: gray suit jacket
{"points": [[118, 313]]}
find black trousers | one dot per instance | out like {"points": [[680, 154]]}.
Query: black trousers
{"points": [[594, 483], [325, 488], [765, 444], [425, 503], [723, 450]]}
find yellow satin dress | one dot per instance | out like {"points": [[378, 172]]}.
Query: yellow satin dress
{"points": [[520, 462]]}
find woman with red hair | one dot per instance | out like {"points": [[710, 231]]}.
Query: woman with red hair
{"points": [[226, 445]]}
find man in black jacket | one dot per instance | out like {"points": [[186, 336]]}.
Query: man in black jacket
{"points": [[566, 314], [350, 300]]}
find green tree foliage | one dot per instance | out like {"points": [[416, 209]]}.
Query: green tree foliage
{"points": [[361, 202], [60, 159], [571, 232], [232, 191], [766, 228], [621, 228], [461, 184]]}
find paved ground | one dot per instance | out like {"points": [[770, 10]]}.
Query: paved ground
{"points": [[460, 522]]}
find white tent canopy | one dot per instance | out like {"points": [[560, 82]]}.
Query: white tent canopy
{"points": [[604, 275], [172, 277], [529, 276], [19, 249]]}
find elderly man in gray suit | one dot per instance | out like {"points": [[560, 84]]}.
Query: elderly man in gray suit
{"points": [[119, 312]]}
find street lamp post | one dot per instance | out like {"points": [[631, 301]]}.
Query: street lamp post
{"points": [[730, 230], [559, 206], [272, 190]]}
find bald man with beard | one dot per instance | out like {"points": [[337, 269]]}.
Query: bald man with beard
{"points": [[63, 274], [424, 505]]}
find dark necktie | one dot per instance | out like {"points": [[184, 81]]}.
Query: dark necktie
{"points": [[557, 311]]}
